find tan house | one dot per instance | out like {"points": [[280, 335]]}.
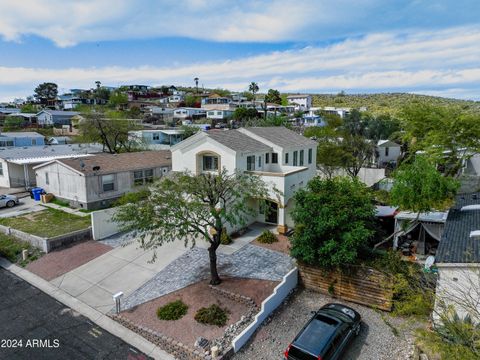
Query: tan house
{"points": [[94, 182]]}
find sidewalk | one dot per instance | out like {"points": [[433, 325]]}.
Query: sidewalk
{"points": [[66, 209], [95, 316]]}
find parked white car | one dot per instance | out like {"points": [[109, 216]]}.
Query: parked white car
{"points": [[8, 201]]}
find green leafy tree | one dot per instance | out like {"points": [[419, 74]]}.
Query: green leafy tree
{"points": [[13, 123], [187, 207], [358, 153], [45, 92], [242, 114], [333, 222], [253, 88], [420, 187], [273, 96], [192, 101], [382, 127], [28, 108], [189, 130], [118, 99]]}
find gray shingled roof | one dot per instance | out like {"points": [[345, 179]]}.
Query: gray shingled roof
{"points": [[456, 245], [47, 151], [237, 141], [281, 136]]}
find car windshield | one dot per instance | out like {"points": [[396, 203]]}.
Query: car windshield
{"points": [[317, 334]]}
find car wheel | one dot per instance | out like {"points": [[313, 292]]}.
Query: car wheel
{"points": [[10, 203]]}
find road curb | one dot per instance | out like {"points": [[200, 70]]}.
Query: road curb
{"points": [[95, 316]]}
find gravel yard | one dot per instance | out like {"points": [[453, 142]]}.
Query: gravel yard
{"points": [[375, 342]]}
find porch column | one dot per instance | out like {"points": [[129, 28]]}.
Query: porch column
{"points": [[27, 176], [281, 227]]}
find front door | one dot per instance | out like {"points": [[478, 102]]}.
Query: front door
{"points": [[271, 213]]}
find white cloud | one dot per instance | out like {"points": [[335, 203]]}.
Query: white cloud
{"points": [[442, 62], [68, 22]]}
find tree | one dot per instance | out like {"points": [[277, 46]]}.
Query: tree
{"points": [[447, 134], [196, 84], [118, 99], [102, 93], [253, 88], [358, 153], [192, 101], [185, 207], [242, 114], [189, 130], [419, 187], [381, 127], [46, 92], [28, 108], [333, 221], [354, 123], [13, 123], [273, 96], [109, 129]]}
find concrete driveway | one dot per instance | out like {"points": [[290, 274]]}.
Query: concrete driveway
{"points": [[125, 268], [27, 205]]}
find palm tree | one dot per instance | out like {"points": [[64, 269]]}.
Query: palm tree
{"points": [[196, 83], [253, 88], [98, 83]]}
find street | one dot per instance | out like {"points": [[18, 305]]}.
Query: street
{"points": [[35, 326]]}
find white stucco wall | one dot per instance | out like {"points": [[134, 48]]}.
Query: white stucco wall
{"points": [[102, 224], [458, 286], [393, 154]]}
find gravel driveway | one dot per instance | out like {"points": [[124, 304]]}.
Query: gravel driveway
{"points": [[375, 342]]}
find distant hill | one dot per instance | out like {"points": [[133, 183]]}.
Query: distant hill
{"points": [[388, 102]]}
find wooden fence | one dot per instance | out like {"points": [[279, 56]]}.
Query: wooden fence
{"points": [[358, 284]]}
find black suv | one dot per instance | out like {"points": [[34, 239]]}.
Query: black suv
{"points": [[326, 335]]}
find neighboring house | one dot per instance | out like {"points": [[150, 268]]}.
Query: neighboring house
{"points": [[21, 139], [157, 136], [29, 118], [163, 113], [219, 114], [175, 98], [188, 113], [312, 120], [9, 110], [96, 181], [458, 259], [331, 110], [16, 164], [54, 117], [300, 101], [388, 152], [282, 158], [216, 102]]}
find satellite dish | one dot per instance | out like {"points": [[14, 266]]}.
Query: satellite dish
{"points": [[429, 262]]}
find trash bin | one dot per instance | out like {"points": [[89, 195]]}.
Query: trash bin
{"points": [[37, 192]]}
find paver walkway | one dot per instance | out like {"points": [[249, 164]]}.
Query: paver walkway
{"points": [[249, 262]]}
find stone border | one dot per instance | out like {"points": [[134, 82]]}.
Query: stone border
{"points": [[48, 244]]}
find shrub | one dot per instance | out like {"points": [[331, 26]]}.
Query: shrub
{"points": [[11, 249], [225, 239], [172, 311], [267, 237], [212, 315]]}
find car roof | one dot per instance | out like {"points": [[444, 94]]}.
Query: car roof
{"points": [[317, 333]]}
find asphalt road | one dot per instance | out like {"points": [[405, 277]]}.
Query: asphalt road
{"points": [[42, 328]]}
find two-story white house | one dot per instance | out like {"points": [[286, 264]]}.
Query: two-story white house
{"points": [[283, 159], [301, 102]]}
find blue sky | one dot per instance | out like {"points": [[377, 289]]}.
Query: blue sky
{"points": [[428, 47]]}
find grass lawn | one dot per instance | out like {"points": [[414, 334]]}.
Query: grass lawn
{"points": [[11, 249], [47, 223]]}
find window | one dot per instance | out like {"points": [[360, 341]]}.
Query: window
{"points": [[274, 158], [211, 113], [142, 177], [47, 180], [251, 163], [267, 158], [295, 158], [210, 163], [34, 141], [259, 161], [156, 136], [286, 158], [386, 151], [1, 169], [310, 156], [6, 143], [108, 182], [301, 157]]}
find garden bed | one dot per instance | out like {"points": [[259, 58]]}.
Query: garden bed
{"points": [[282, 245], [47, 223], [11, 249], [187, 330]]}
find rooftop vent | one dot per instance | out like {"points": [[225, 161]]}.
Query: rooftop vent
{"points": [[96, 168]]}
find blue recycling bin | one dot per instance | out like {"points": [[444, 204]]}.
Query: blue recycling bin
{"points": [[37, 192]]}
